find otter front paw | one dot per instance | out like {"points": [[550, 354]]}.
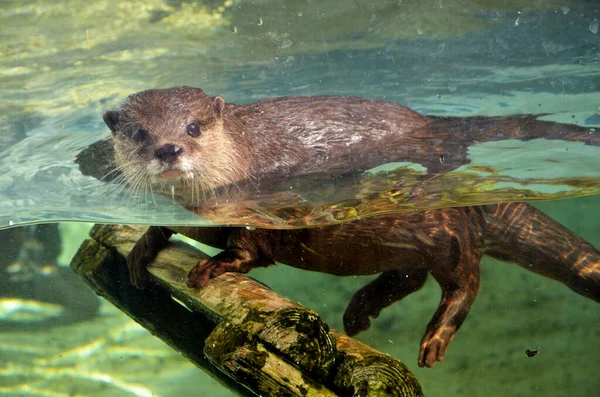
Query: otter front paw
{"points": [[355, 324], [137, 260], [356, 316], [202, 273], [362, 306], [144, 252], [230, 260]]}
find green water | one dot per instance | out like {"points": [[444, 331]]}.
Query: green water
{"points": [[65, 62]]}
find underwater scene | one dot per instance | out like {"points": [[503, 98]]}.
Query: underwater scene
{"points": [[427, 124]]}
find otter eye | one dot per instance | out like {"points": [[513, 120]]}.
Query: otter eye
{"points": [[193, 130], [139, 135]]}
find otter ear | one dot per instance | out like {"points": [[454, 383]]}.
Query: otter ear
{"points": [[218, 104], [111, 118]]}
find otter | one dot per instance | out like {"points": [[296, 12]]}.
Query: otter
{"points": [[183, 139], [404, 248]]}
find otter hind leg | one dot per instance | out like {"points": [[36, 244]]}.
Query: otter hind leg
{"points": [[528, 237], [391, 286], [458, 275]]}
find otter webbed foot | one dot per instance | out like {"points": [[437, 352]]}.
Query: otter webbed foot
{"points": [[434, 346]]}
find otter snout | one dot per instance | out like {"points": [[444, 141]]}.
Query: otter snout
{"points": [[168, 153]]}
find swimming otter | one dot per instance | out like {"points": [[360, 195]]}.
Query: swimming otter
{"points": [[182, 141], [404, 248], [181, 138]]}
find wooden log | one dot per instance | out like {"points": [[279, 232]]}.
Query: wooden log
{"points": [[104, 270], [263, 341], [245, 356]]}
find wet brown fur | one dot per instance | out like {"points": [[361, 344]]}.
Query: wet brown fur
{"points": [[404, 248], [286, 137], [302, 135]]}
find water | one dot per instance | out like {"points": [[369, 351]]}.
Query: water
{"points": [[58, 80], [66, 62]]}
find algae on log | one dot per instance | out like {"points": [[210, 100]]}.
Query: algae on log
{"points": [[263, 343]]}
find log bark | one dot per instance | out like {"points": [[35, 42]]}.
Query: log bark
{"points": [[253, 340]]}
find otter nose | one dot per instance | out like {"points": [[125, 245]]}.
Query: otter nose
{"points": [[168, 153]]}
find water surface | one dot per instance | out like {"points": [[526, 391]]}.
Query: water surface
{"points": [[67, 62]]}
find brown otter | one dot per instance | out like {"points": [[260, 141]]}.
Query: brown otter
{"points": [[404, 248], [184, 139]]}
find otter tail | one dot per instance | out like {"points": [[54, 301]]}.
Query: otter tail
{"points": [[520, 233], [451, 137], [525, 127]]}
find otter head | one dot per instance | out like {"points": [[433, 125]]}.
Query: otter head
{"points": [[176, 137]]}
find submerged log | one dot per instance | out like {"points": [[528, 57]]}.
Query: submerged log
{"points": [[253, 340]]}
